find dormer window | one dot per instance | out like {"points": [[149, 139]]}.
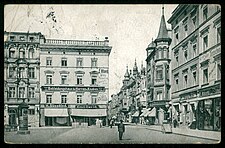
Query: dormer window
{"points": [[12, 38]]}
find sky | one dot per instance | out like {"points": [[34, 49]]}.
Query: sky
{"points": [[129, 28]]}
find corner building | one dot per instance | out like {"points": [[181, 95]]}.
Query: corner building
{"points": [[21, 76], [74, 81], [196, 66]]}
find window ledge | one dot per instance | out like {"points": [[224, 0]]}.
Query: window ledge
{"points": [[204, 84]]}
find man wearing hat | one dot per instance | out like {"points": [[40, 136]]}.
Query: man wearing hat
{"points": [[121, 129]]}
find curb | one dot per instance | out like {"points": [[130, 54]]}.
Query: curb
{"points": [[184, 134]]}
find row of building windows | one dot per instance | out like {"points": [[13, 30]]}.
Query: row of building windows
{"points": [[22, 72], [193, 78], [12, 92], [12, 53], [64, 79], [64, 99], [187, 55], [79, 62], [21, 38], [193, 17]]}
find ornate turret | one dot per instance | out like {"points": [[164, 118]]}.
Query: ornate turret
{"points": [[163, 32], [127, 75]]}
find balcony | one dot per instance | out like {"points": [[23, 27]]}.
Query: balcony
{"points": [[76, 42]]}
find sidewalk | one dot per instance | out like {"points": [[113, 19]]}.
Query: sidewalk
{"points": [[212, 135]]}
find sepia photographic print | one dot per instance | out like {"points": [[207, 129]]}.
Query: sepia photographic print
{"points": [[112, 74]]}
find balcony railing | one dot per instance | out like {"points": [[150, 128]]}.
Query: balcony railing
{"points": [[76, 42]]}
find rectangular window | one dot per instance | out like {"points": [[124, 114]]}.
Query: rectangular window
{"points": [[31, 111], [12, 72], [48, 61], [205, 43], [22, 72], [186, 30], [79, 80], [205, 76], [194, 21], [218, 71], [22, 92], [31, 92], [93, 99], [219, 35], [63, 79], [93, 80], [194, 50], [177, 84], [48, 98], [79, 62], [48, 79], [63, 98], [64, 62], [194, 77], [159, 95], [31, 39], [79, 98], [12, 92], [185, 55], [205, 13], [185, 81], [159, 74], [162, 53], [94, 62], [31, 73], [177, 61], [12, 38], [22, 53]]}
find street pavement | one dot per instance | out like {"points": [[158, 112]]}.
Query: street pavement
{"points": [[134, 134]]}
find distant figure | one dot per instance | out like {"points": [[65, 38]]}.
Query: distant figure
{"points": [[100, 122], [111, 123], [121, 129]]}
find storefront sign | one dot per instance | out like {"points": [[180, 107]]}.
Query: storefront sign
{"points": [[210, 91], [86, 106], [71, 88], [188, 95], [104, 71]]}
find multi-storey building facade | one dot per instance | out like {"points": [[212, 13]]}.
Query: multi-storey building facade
{"points": [[158, 63], [196, 65], [21, 76], [74, 81]]}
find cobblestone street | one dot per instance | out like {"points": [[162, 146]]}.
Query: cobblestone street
{"points": [[105, 135]]}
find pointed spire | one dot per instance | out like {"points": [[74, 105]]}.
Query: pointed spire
{"points": [[163, 32], [127, 73], [152, 44], [135, 66]]}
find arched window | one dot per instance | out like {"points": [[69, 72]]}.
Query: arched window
{"points": [[22, 53], [12, 52], [31, 53]]}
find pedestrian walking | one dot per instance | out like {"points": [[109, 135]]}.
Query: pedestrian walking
{"points": [[121, 129]]}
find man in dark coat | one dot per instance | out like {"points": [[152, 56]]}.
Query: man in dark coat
{"points": [[121, 129]]}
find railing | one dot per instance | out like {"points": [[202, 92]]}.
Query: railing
{"points": [[77, 42]]}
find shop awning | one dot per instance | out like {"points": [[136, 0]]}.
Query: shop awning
{"points": [[145, 112], [89, 112], [136, 114], [56, 112], [151, 113]]}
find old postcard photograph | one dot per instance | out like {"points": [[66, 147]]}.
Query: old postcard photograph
{"points": [[112, 74]]}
